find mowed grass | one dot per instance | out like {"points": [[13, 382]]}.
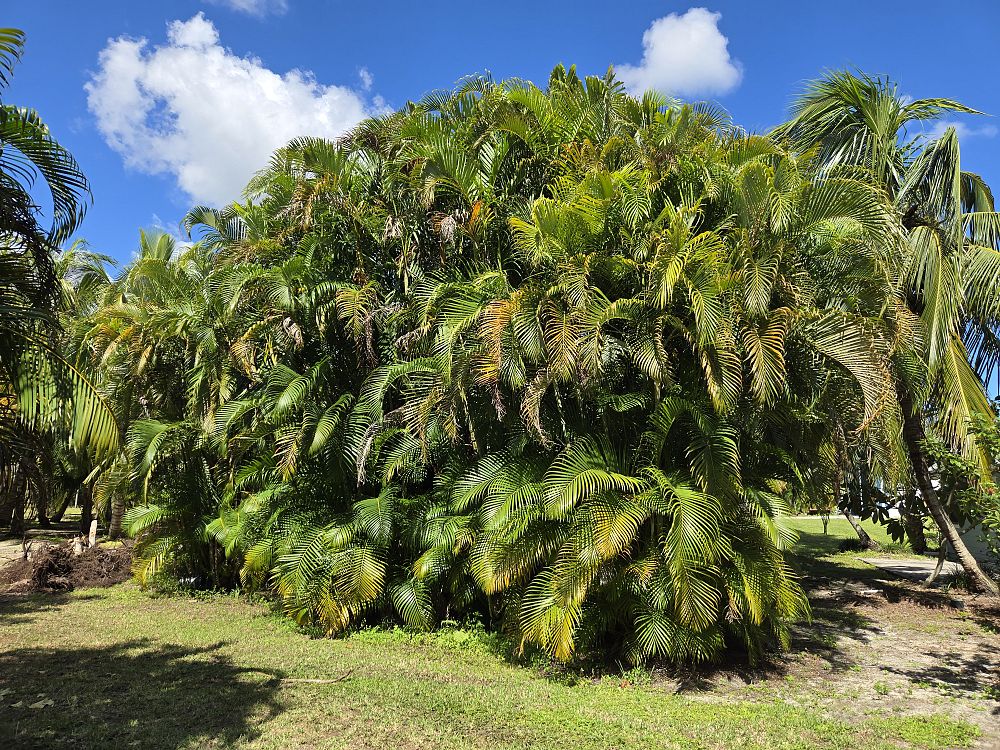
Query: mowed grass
{"points": [[819, 551], [117, 668]]}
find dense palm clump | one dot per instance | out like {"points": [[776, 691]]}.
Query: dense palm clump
{"points": [[558, 359]]}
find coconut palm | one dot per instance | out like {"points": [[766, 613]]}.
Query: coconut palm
{"points": [[947, 291]]}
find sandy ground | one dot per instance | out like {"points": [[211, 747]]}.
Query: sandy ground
{"points": [[886, 646], [10, 549]]}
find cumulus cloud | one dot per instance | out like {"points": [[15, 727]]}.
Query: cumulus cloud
{"points": [[962, 129], [684, 54], [193, 109], [259, 8]]}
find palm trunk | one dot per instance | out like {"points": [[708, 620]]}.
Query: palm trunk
{"points": [[866, 540], [473, 442], [913, 523], [913, 436], [86, 509], [42, 509], [61, 510], [17, 526], [942, 555], [117, 511], [20, 489]]}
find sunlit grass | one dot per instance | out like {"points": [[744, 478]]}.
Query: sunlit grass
{"points": [[125, 669], [816, 548]]}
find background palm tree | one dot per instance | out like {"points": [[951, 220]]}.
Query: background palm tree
{"points": [[39, 388], [947, 292]]}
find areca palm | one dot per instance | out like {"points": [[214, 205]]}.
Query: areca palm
{"points": [[165, 324], [556, 357], [594, 332]]}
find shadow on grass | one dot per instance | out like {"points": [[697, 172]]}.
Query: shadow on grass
{"points": [[987, 616], [815, 544], [18, 609], [708, 678], [134, 694]]}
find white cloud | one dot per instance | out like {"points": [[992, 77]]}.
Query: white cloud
{"points": [[963, 130], [259, 8], [366, 78], [195, 110], [684, 55]]}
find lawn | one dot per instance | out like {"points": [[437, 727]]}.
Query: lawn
{"points": [[123, 668], [814, 541], [818, 554], [120, 668]]}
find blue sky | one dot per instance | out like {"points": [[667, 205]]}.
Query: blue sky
{"points": [[183, 117]]}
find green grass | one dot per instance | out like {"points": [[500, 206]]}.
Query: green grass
{"points": [[811, 533], [123, 669], [816, 548]]}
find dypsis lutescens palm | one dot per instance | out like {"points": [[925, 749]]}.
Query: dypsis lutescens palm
{"points": [[555, 357], [161, 337], [670, 352], [39, 389], [947, 292]]}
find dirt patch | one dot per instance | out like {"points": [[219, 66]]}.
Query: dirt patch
{"points": [[896, 648], [875, 649], [56, 568]]}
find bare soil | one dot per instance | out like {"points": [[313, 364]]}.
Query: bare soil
{"points": [[55, 567], [877, 647]]}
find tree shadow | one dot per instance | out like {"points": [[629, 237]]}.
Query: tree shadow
{"points": [[17, 609], [815, 570], [814, 544], [824, 635], [987, 616], [736, 669], [848, 585], [135, 694], [955, 672]]}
